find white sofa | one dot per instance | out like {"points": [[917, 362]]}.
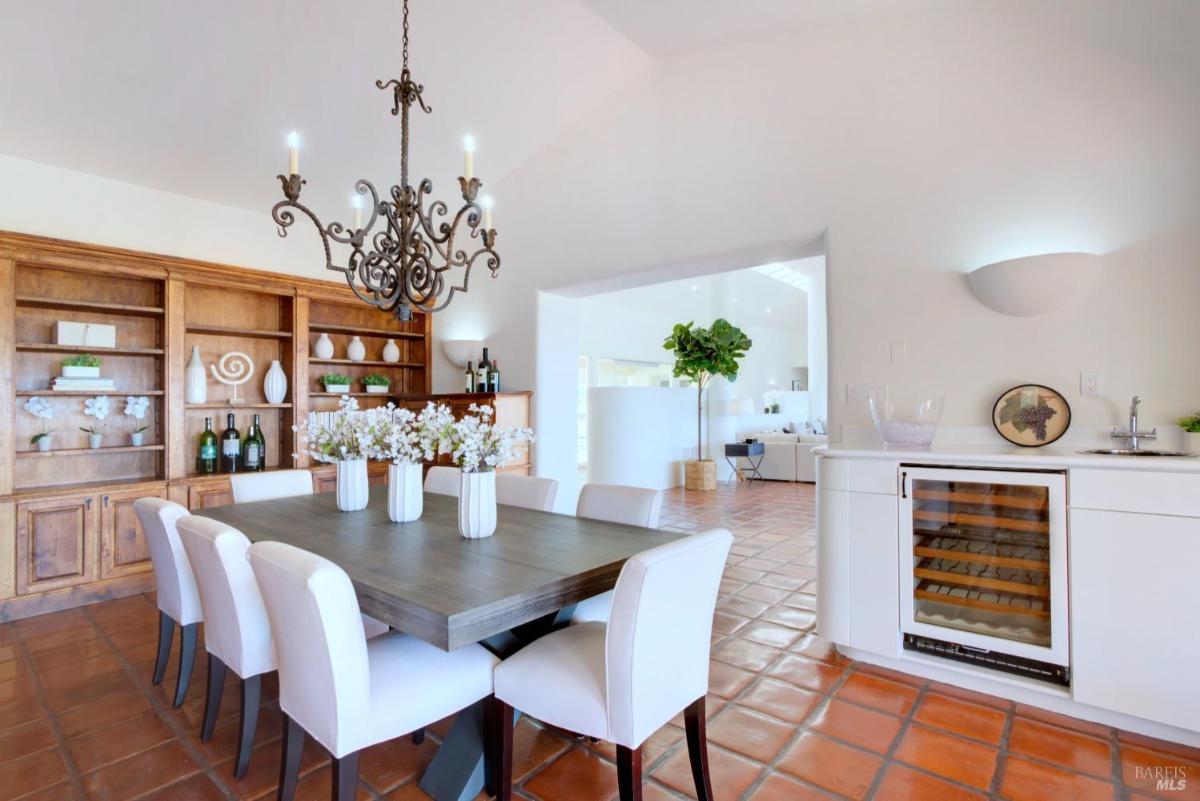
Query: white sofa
{"points": [[789, 457]]}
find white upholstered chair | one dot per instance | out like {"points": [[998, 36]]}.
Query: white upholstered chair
{"points": [[264, 486], [623, 680], [526, 491], [443, 480], [346, 692], [175, 588], [633, 506], [237, 633]]}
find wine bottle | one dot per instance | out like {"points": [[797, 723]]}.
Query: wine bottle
{"points": [[470, 378], [494, 377], [481, 373], [206, 458], [254, 447], [231, 447]]}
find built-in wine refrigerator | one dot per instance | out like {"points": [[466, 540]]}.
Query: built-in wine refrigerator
{"points": [[983, 568]]}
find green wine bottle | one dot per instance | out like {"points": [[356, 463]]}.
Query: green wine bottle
{"points": [[206, 459], [254, 447], [231, 447]]}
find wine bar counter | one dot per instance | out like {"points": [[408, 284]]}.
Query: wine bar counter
{"points": [[144, 352]]}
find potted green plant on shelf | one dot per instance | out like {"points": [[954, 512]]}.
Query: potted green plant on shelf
{"points": [[85, 365], [700, 354], [1191, 428], [40, 408], [96, 407], [135, 407], [376, 383], [336, 382]]}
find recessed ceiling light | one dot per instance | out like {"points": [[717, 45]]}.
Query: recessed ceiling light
{"points": [[695, 287], [768, 310]]}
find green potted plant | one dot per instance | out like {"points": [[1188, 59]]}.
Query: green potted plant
{"points": [[376, 383], [85, 365], [700, 354], [336, 382], [1191, 428]]}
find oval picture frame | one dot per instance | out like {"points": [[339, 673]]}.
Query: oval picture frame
{"points": [[1013, 419]]}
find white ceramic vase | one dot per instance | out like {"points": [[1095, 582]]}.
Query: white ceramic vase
{"points": [[391, 352], [44, 442], [136, 438], [352, 487], [356, 351], [406, 498], [95, 440], [196, 378], [324, 347], [477, 505], [1193, 441], [275, 383]]}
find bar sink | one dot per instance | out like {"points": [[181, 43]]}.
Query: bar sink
{"points": [[1137, 452]]}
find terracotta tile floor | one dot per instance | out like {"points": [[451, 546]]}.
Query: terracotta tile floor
{"points": [[789, 718]]}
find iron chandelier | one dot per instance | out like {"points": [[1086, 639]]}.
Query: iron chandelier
{"points": [[404, 264]]}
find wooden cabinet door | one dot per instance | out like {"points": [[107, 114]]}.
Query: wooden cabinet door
{"points": [[123, 548], [217, 493], [56, 543]]}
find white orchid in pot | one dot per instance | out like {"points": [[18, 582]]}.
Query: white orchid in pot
{"points": [[346, 438], [41, 409], [136, 407], [406, 440], [478, 447], [96, 407]]}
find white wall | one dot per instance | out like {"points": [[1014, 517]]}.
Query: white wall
{"points": [[640, 436]]}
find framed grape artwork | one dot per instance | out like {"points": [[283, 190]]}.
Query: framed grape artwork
{"points": [[1031, 415]]}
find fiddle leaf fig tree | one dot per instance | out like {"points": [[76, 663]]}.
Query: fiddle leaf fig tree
{"points": [[701, 353]]}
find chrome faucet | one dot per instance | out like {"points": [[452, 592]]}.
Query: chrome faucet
{"points": [[1133, 435]]}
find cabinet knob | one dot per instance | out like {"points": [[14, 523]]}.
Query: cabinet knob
{"points": [[88, 502], [105, 501]]}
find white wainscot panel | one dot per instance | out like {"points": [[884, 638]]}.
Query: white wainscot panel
{"points": [[874, 568]]}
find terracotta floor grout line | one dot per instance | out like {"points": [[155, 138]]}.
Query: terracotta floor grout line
{"points": [[889, 756], [74, 777], [168, 719]]}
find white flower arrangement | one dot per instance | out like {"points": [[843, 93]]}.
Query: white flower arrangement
{"points": [[344, 435], [41, 409], [98, 408], [478, 446], [405, 437], [135, 407]]}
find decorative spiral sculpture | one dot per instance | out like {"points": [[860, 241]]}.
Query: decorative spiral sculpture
{"points": [[233, 369]]}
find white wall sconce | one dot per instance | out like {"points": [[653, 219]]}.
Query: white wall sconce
{"points": [[1034, 285], [461, 351]]}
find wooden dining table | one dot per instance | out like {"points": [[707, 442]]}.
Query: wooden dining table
{"points": [[424, 579]]}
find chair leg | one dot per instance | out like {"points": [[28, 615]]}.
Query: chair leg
{"points": [[490, 746], [251, 696], [418, 736], [212, 700], [166, 633], [289, 761], [629, 773], [345, 777], [502, 747], [697, 740], [187, 657]]}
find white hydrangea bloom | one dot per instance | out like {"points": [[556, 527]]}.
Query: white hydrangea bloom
{"points": [[96, 407]]}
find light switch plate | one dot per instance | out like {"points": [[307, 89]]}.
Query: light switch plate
{"points": [[1089, 383]]}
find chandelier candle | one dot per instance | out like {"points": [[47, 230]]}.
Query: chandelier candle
{"points": [[412, 252]]}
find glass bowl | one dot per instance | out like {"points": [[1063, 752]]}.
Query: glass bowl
{"points": [[906, 422]]}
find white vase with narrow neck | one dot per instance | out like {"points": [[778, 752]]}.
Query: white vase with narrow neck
{"points": [[356, 351], [352, 489], [324, 347], [391, 352], [195, 379], [275, 383], [477, 505], [406, 495]]}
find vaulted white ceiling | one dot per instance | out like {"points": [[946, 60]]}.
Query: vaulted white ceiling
{"points": [[197, 98]]}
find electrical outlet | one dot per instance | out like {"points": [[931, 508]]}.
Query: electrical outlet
{"points": [[1089, 384]]}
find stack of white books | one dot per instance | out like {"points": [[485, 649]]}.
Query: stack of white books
{"points": [[83, 384]]}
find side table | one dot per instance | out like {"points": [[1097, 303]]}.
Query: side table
{"points": [[752, 452]]}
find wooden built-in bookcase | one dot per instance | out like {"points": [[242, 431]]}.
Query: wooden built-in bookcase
{"points": [[68, 534]]}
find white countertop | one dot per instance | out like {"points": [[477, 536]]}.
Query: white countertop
{"points": [[1048, 457]]}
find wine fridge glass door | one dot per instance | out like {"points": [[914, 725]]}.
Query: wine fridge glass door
{"points": [[983, 560]]}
